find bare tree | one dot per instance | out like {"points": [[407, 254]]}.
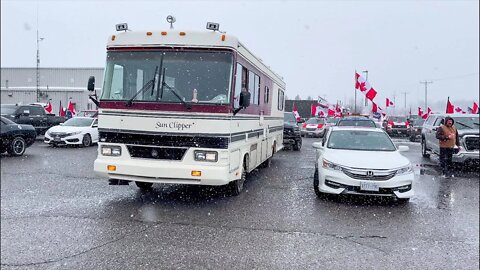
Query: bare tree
{"points": [[297, 97], [309, 98]]}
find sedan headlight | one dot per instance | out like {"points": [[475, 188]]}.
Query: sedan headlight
{"points": [[405, 170], [210, 156], [111, 150], [330, 166], [73, 133]]}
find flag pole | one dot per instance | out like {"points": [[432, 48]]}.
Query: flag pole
{"points": [[448, 102], [355, 89]]}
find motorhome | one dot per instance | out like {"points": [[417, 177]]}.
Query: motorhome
{"points": [[186, 107]]}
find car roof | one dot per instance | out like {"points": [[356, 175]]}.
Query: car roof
{"points": [[455, 115], [356, 128], [357, 118]]}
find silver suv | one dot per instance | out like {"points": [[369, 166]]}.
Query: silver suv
{"points": [[468, 133]]}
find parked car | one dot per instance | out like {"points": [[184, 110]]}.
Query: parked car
{"points": [[34, 115], [15, 138], [88, 113], [314, 127], [396, 125], [361, 161], [415, 129], [468, 133], [291, 132], [356, 121], [75, 131]]}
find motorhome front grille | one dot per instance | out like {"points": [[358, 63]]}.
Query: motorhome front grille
{"points": [[472, 143], [164, 140], [156, 152]]}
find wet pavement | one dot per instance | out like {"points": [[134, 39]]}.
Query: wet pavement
{"points": [[56, 214]]}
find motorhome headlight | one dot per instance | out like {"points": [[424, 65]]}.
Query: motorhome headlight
{"points": [[111, 150], [405, 170], [210, 156]]}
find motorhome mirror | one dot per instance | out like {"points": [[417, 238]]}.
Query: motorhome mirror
{"points": [[91, 83]]}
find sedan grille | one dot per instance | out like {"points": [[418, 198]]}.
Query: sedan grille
{"points": [[311, 128], [58, 134], [372, 175], [472, 143]]}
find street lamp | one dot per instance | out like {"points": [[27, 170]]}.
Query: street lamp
{"points": [[366, 79], [38, 65]]}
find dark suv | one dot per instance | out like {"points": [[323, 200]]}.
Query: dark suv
{"points": [[291, 132]]}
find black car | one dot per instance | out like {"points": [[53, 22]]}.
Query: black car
{"points": [[34, 115], [291, 132], [15, 138], [356, 121], [415, 129]]}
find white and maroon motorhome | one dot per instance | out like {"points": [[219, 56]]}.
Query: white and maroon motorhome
{"points": [[186, 108]]}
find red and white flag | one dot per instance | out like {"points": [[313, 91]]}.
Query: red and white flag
{"points": [[420, 112], [475, 108], [70, 108], [425, 115], [450, 108], [388, 103], [61, 111], [295, 112], [361, 83], [49, 107]]}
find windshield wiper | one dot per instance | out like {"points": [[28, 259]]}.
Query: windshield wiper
{"points": [[175, 93], [463, 125], [146, 86]]}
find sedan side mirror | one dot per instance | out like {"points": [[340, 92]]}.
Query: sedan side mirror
{"points": [[403, 148], [317, 145]]}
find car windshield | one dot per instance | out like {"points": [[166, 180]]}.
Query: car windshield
{"points": [[418, 122], [78, 122], [316, 121], [466, 122], [289, 117], [362, 140], [8, 109], [397, 119], [332, 120], [7, 121], [356, 123], [168, 76]]}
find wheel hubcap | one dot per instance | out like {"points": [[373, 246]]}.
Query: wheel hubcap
{"points": [[18, 147]]}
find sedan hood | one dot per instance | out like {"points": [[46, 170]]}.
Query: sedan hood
{"points": [[366, 159], [462, 132], [66, 129]]}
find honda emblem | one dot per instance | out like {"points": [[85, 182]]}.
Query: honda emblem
{"points": [[370, 173]]}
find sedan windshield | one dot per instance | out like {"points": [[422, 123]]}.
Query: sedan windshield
{"points": [[397, 119], [78, 122], [168, 76], [8, 109], [316, 121], [357, 123], [289, 117], [362, 140]]}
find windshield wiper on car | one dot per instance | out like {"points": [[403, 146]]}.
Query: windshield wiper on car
{"points": [[175, 93], [146, 86], [464, 125]]}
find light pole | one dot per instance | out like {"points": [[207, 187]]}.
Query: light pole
{"points": [[366, 79], [426, 83], [405, 100], [38, 65]]}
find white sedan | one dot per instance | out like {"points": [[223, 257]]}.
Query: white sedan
{"points": [[362, 161], [75, 131]]}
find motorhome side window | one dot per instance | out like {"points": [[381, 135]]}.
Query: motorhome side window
{"points": [[266, 95], [238, 85], [257, 90], [280, 99]]}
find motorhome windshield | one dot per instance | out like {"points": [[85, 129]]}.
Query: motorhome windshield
{"points": [[168, 76]]}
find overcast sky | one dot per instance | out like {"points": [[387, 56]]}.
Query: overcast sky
{"points": [[315, 45]]}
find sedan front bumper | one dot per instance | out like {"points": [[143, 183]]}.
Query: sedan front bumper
{"points": [[68, 140]]}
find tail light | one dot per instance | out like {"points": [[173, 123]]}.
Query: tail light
{"points": [[390, 124], [304, 125], [407, 124], [320, 125]]}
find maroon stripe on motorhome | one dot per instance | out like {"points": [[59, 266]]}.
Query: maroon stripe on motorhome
{"points": [[170, 107]]}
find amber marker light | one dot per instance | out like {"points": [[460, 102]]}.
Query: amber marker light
{"points": [[196, 173], [164, 33], [113, 37], [149, 33], [111, 168], [182, 33], [223, 37]]}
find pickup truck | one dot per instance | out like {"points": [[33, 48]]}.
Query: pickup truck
{"points": [[34, 115], [468, 134]]}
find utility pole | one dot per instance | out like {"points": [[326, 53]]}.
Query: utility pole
{"points": [[405, 100], [426, 83], [38, 61], [366, 79]]}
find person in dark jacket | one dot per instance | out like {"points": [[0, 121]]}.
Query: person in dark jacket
{"points": [[447, 135]]}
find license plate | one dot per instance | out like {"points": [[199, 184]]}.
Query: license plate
{"points": [[57, 139], [310, 133], [369, 186]]}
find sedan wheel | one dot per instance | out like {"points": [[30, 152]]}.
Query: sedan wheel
{"points": [[319, 194], [424, 149], [87, 140], [17, 147]]}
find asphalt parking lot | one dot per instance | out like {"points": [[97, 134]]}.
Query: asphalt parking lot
{"points": [[56, 214]]}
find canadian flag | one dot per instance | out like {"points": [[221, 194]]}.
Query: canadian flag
{"points": [[459, 110], [49, 107], [420, 112], [331, 110], [376, 108], [61, 111], [425, 115], [371, 93], [475, 108], [70, 108], [295, 112], [361, 83], [388, 103], [450, 108]]}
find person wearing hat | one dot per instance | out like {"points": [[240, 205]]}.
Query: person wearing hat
{"points": [[447, 136]]}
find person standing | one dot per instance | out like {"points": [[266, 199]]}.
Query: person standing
{"points": [[448, 140]]}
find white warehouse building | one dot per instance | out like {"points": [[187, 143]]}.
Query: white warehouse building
{"points": [[19, 86]]}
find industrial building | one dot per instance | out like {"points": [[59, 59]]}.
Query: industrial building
{"points": [[19, 85]]}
